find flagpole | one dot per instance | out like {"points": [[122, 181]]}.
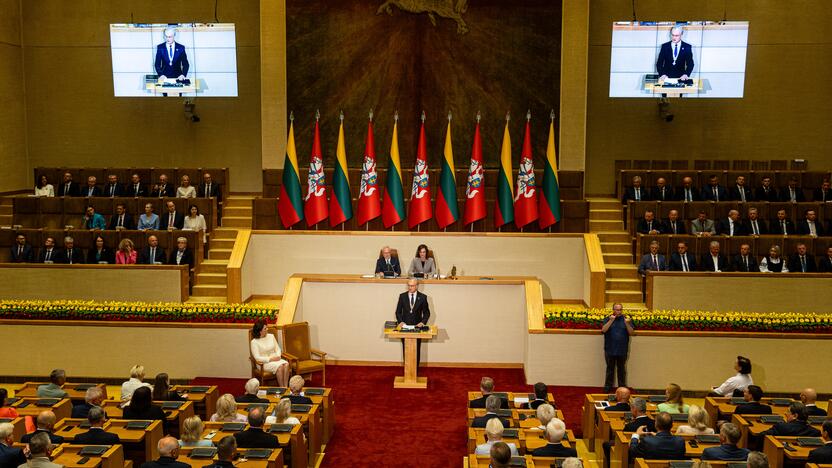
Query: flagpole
{"points": [[552, 119], [291, 122]]}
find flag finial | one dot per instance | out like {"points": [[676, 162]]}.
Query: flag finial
{"points": [[396, 117], [449, 115], [371, 114], [423, 116], [479, 116], [341, 116], [317, 114], [528, 114], [552, 115], [508, 116], [291, 116]]}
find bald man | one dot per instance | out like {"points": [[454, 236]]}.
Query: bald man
{"points": [[168, 451], [45, 423], [622, 400], [412, 309], [809, 398]]}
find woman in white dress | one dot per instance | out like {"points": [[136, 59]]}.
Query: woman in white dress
{"points": [[186, 190], [44, 188], [267, 353], [195, 222]]}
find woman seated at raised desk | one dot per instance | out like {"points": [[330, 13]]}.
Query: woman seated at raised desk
{"points": [[423, 264], [100, 253], [141, 406], [126, 254], [282, 414], [44, 188], [162, 391], [195, 222], [698, 423], [148, 219], [227, 410], [773, 262], [192, 433], [674, 403], [185, 190]]}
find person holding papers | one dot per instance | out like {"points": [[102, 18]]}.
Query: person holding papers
{"points": [[387, 264], [412, 310]]}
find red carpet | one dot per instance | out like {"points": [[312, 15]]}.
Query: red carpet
{"points": [[413, 427]]}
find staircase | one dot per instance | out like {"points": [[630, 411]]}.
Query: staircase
{"points": [[211, 279], [623, 280], [6, 211]]}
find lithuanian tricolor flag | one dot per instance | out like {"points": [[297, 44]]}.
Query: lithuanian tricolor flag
{"points": [[504, 205], [447, 210], [392, 212], [550, 201], [340, 202], [290, 203]]}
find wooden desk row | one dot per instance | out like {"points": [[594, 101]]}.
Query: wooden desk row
{"points": [[774, 448], [589, 417], [528, 461], [524, 418], [526, 440], [512, 396], [275, 459], [751, 425], [176, 412], [724, 407], [140, 445], [324, 400], [294, 440], [32, 406], [310, 420], [75, 391]]}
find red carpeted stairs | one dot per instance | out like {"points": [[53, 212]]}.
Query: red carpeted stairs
{"points": [[377, 425]]}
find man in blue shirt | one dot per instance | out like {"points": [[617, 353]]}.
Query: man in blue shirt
{"points": [[617, 330]]}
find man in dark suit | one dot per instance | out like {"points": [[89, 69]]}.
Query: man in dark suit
{"points": [[92, 189], [681, 260], [152, 253], [825, 263], [68, 188], [781, 225], [809, 225], [168, 448], [555, 431], [640, 418], [181, 255], [652, 261], [254, 436], [171, 59], [792, 193], [648, 224], [163, 188], [635, 192], [250, 395], [753, 225], [731, 226], [387, 264], [801, 261], [208, 188], [413, 309], [492, 404], [70, 255], [540, 397], [97, 435], [662, 192], [295, 387], [622, 400], [135, 188], [9, 455], [226, 448], [740, 192], [687, 192], [713, 191], [92, 398], [766, 192], [713, 260], [809, 398], [823, 193], [49, 253], [486, 388], [746, 262], [675, 57], [21, 251], [823, 455], [113, 187], [171, 219], [752, 395], [121, 219], [45, 423], [796, 424], [729, 436], [659, 446], [673, 225]]}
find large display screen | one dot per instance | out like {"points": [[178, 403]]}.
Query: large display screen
{"points": [[185, 59], [691, 59]]}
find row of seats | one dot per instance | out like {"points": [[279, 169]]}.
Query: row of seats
{"points": [[708, 164], [760, 245], [574, 218]]}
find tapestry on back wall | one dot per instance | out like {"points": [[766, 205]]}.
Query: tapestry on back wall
{"points": [[462, 56]]}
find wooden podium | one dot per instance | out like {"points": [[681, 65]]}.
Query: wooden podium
{"points": [[409, 379]]}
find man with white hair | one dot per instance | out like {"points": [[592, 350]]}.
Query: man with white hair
{"points": [[675, 57], [93, 397], [295, 394], [492, 405], [250, 396], [555, 431], [545, 413], [493, 434], [171, 59], [9, 455], [168, 451]]}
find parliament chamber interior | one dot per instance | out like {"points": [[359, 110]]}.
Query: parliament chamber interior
{"points": [[304, 233]]}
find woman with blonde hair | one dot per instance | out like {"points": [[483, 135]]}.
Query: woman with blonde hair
{"points": [[136, 380], [192, 433], [227, 410], [281, 414], [675, 403], [698, 423], [126, 254]]}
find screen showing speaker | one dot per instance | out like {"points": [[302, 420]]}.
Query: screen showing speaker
{"points": [[688, 59], [172, 60]]}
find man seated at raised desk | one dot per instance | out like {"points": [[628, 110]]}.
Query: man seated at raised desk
{"points": [[687, 192], [121, 219], [622, 400], [226, 448], [635, 192], [648, 224], [10, 455], [766, 192], [825, 262], [492, 404], [713, 191], [823, 193], [802, 261], [255, 436], [753, 225], [809, 399], [540, 397], [638, 408], [250, 396], [152, 254], [661, 445], [731, 225], [45, 424], [54, 388], [662, 192], [740, 192], [823, 455], [113, 187], [97, 435], [49, 254], [21, 252], [745, 262], [555, 431], [652, 261], [295, 394], [702, 226], [792, 193], [713, 260], [729, 436], [387, 264], [673, 225], [781, 225], [493, 434], [809, 225], [752, 396], [486, 388], [40, 449], [797, 423], [69, 254], [681, 260], [93, 397], [168, 448], [91, 190]]}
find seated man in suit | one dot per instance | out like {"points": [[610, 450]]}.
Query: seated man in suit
{"points": [[122, 219], [792, 193], [540, 397], [823, 193], [740, 192], [492, 404], [823, 455], [493, 434], [295, 391], [40, 453], [745, 262], [648, 224], [93, 397], [809, 225], [91, 190], [181, 255], [555, 431], [635, 192], [544, 414], [486, 388], [387, 264], [163, 188], [825, 263], [49, 253], [152, 253], [226, 449], [662, 192], [809, 398], [168, 448], [681, 260], [796, 424], [68, 188], [113, 187], [97, 435], [766, 192], [729, 436], [9, 455], [254, 436], [713, 260], [731, 226], [702, 226], [753, 225], [713, 191], [687, 192], [661, 445], [652, 261], [21, 251], [93, 220], [640, 418], [622, 400], [45, 424], [757, 460], [135, 188], [208, 188], [69, 254], [673, 225], [171, 220], [781, 225], [802, 261], [53, 389], [500, 455], [752, 395], [250, 395]]}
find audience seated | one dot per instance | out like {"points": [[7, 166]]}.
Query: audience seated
{"points": [[254, 436], [163, 189], [126, 254], [752, 395], [192, 433], [731, 226], [162, 391], [486, 388], [781, 225], [659, 446], [97, 435], [181, 255], [713, 191], [282, 413], [226, 449], [48, 254], [493, 434], [21, 252], [675, 403], [819, 455], [662, 192], [825, 263], [823, 193], [45, 424], [544, 413], [185, 189], [69, 254], [295, 391], [136, 380], [500, 455], [68, 187], [713, 260], [10, 456], [773, 262], [135, 188], [91, 190], [702, 226], [92, 220], [168, 448], [681, 260], [492, 404], [757, 460], [113, 187], [141, 406], [92, 398], [152, 254], [622, 400], [40, 452], [740, 192], [792, 193], [766, 192], [121, 219], [698, 423], [540, 395], [148, 219], [555, 431], [648, 224], [736, 385], [44, 188], [638, 408], [100, 253], [171, 219], [753, 225], [635, 192], [809, 225], [687, 192], [801, 261], [745, 262], [53, 389], [729, 436], [227, 410], [195, 222], [809, 399], [673, 225], [6, 411], [796, 424], [652, 261], [250, 395]]}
